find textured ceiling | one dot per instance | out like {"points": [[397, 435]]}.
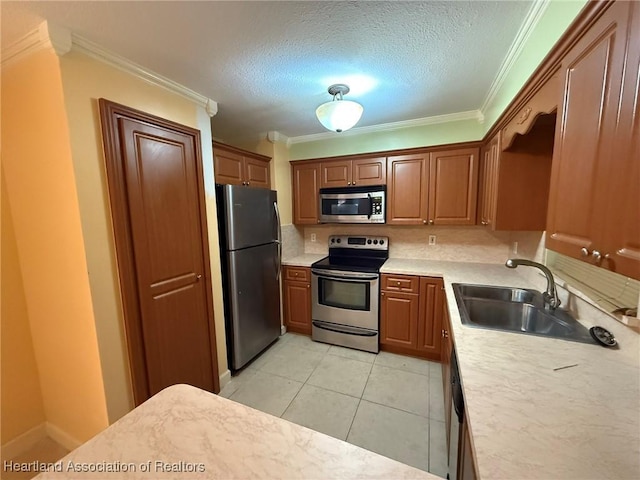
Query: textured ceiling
{"points": [[268, 64]]}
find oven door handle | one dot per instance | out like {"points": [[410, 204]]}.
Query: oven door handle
{"points": [[363, 277], [343, 329]]}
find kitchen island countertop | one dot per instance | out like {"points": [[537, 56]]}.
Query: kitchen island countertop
{"points": [[183, 432], [530, 418]]}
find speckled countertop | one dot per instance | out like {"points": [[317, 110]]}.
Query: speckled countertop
{"points": [[304, 260], [527, 420], [186, 433]]}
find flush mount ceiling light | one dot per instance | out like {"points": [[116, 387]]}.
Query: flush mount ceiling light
{"points": [[339, 115]]}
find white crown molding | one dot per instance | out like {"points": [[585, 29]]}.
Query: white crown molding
{"points": [[385, 127], [531, 20], [61, 40], [96, 51], [275, 137], [47, 35]]}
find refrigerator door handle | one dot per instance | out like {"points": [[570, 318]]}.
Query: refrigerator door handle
{"points": [[279, 240]]}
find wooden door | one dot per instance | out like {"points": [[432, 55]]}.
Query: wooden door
{"points": [[407, 184], [228, 167], [154, 172], [592, 72], [453, 187], [430, 317], [336, 173], [622, 223], [399, 319], [256, 173], [306, 188], [297, 299], [369, 171]]}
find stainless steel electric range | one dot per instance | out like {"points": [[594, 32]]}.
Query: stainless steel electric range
{"points": [[345, 292]]}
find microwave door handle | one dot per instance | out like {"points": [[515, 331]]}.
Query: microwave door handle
{"points": [[370, 206]]}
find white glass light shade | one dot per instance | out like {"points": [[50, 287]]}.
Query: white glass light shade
{"points": [[339, 115]]}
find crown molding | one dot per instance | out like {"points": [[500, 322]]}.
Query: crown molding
{"points": [[61, 40], [46, 35], [385, 127], [524, 32], [274, 137]]}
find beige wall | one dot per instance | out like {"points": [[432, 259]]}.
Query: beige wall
{"points": [[41, 188], [22, 407], [85, 80]]}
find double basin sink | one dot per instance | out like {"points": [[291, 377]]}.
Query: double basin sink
{"points": [[516, 310]]}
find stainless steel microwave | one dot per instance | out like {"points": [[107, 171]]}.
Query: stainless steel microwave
{"points": [[353, 204]]}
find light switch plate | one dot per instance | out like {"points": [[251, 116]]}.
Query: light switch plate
{"points": [[313, 237], [432, 239]]}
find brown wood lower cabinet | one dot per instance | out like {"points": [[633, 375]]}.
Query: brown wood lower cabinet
{"points": [[411, 315], [297, 299]]}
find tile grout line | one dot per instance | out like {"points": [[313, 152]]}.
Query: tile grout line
{"points": [[358, 406]]}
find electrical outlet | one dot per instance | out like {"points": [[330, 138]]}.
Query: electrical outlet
{"points": [[313, 237], [514, 248], [432, 239]]}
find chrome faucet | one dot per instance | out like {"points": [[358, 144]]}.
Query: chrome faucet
{"points": [[550, 297]]}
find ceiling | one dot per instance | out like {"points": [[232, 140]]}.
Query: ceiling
{"points": [[268, 64]]}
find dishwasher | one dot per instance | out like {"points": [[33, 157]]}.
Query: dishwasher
{"points": [[457, 417]]}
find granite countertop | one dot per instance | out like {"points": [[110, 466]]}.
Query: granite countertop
{"points": [[304, 260], [186, 433], [528, 420]]}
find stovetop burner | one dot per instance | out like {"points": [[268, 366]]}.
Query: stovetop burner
{"points": [[355, 254]]}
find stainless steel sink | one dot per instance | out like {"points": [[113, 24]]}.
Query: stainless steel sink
{"points": [[516, 310]]}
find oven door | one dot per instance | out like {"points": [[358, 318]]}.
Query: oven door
{"points": [[345, 298], [351, 208]]}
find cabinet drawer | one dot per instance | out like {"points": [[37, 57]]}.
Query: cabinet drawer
{"points": [[400, 283], [300, 274]]}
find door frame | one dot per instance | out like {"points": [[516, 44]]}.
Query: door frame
{"points": [[110, 112]]}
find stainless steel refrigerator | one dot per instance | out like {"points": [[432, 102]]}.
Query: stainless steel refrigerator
{"points": [[249, 229]]}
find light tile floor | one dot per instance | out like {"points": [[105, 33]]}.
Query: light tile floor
{"points": [[386, 403]]}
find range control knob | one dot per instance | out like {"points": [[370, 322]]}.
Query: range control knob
{"points": [[375, 242], [369, 241], [333, 240], [381, 242], [338, 240]]}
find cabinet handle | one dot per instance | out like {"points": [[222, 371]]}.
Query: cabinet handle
{"points": [[424, 221], [598, 257], [430, 222], [382, 294], [584, 252], [398, 283], [353, 183], [198, 277], [348, 183], [308, 286], [485, 222]]}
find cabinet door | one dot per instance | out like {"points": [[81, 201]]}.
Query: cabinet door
{"points": [[622, 230], [336, 173], [306, 185], [407, 183], [297, 307], [453, 187], [228, 167], [399, 319], [369, 171], [256, 173], [592, 72], [430, 317]]}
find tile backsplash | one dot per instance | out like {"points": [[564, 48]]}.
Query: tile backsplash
{"points": [[459, 244], [292, 241]]}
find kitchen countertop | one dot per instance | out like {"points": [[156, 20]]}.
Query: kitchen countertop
{"points": [[186, 433], [304, 260], [528, 420]]}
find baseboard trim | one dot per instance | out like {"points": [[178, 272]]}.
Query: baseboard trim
{"points": [[225, 378], [62, 437], [24, 442]]}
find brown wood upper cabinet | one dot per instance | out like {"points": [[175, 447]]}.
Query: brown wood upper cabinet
{"points": [[594, 201], [239, 167], [305, 188], [354, 172], [437, 188]]}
